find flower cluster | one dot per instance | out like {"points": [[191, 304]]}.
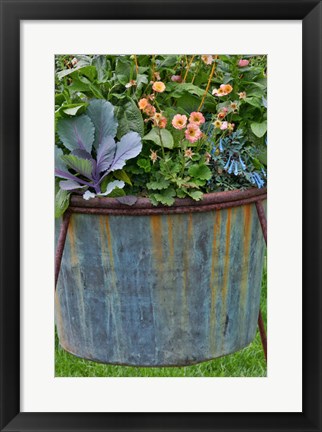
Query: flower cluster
{"points": [[223, 90], [192, 132]]}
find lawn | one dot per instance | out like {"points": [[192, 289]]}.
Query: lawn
{"points": [[249, 362]]}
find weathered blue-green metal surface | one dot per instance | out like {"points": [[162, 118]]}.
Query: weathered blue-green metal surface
{"points": [[171, 289]]}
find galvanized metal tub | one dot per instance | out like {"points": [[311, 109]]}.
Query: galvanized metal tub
{"points": [[155, 286]]}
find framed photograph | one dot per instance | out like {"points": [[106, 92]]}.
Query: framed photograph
{"points": [[161, 136]]}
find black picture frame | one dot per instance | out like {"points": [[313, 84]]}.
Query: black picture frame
{"points": [[12, 12]]}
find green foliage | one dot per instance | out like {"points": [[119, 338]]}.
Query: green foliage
{"points": [[200, 171], [259, 129], [171, 165], [62, 198], [82, 166], [160, 137], [129, 118]]}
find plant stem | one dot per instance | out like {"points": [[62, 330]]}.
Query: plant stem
{"points": [[188, 67], [208, 84], [136, 65], [196, 71], [161, 142]]}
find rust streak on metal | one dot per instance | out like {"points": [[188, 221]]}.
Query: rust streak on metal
{"points": [[71, 235], [170, 238], [61, 244], [213, 286], [246, 246], [262, 218], [102, 229], [156, 231], [226, 274], [186, 264], [262, 333], [109, 245], [227, 257]]}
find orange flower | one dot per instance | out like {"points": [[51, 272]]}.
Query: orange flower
{"points": [[227, 88], [223, 90], [162, 123], [149, 110], [179, 121], [159, 120], [158, 86], [221, 115], [143, 103], [196, 118]]}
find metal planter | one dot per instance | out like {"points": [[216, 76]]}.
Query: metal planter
{"points": [[154, 286]]}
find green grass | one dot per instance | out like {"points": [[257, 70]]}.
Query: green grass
{"points": [[249, 362]]}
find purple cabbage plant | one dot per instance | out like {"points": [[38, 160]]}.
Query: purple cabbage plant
{"points": [[93, 151]]}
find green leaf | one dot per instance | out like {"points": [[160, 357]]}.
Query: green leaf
{"points": [[169, 60], [101, 66], [117, 192], [262, 156], [81, 166], [166, 197], [254, 101], [196, 195], [61, 202], [88, 71], [158, 184], [257, 163], [91, 87], [189, 102], [201, 172], [123, 70], [73, 109], [129, 118], [76, 132], [81, 64], [145, 164], [121, 175], [79, 86], [259, 129], [181, 193], [160, 137], [183, 88], [140, 80], [59, 98]]}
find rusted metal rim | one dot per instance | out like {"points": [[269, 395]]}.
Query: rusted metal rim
{"points": [[143, 206]]}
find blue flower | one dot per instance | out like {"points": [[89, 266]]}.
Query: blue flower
{"points": [[221, 148], [231, 168], [236, 168], [242, 163], [258, 180], [227, 164]]}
